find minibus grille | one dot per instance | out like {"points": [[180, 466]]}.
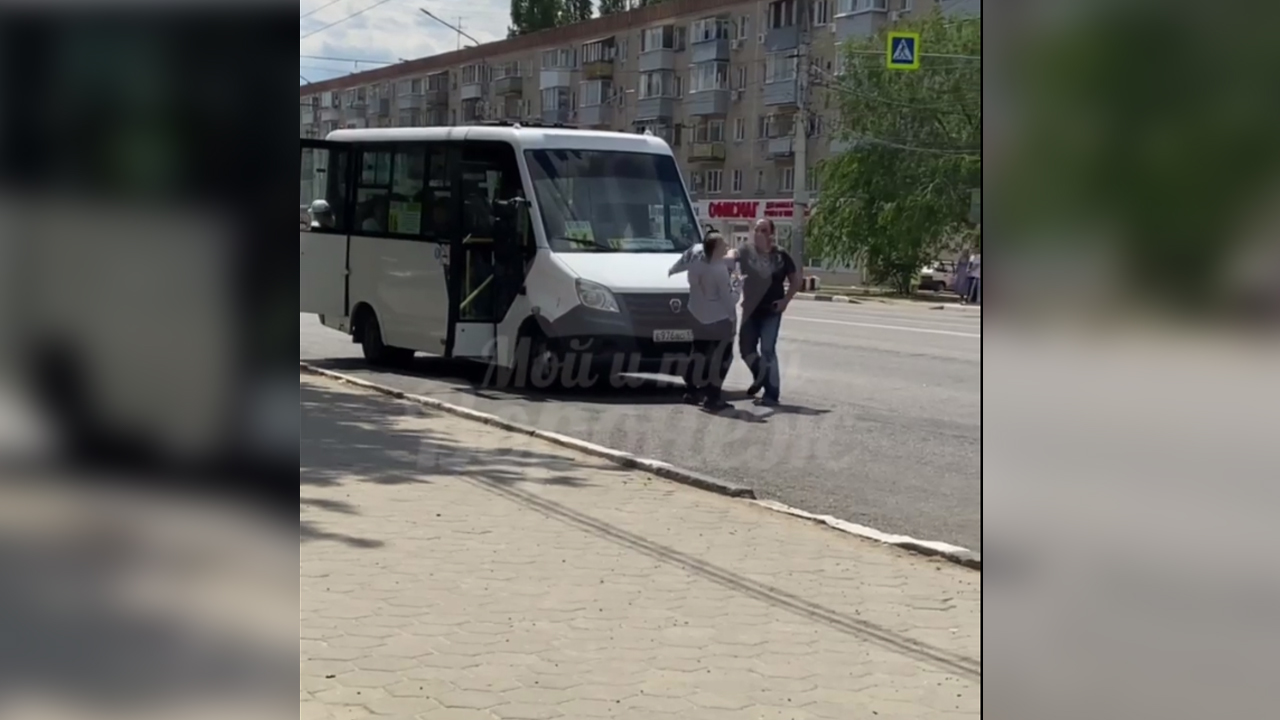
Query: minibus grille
{"points": [[651, 312]]}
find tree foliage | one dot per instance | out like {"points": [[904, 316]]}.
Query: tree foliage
{"points": [[901, 194], [1158, 129], [529, 16], [576, 11], [610, 7]]}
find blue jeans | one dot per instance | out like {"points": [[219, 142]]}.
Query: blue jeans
{"points": [[758, 342]]}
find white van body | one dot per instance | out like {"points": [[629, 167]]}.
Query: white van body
{"points": [[579, 268]]}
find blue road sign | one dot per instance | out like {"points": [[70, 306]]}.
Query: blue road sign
{"points": [[903, 51]]}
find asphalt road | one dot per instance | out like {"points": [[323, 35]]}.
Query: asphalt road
{"points": [[881, 423]]}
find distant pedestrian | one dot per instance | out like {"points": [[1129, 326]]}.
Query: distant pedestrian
{"points": [[975, 281]]}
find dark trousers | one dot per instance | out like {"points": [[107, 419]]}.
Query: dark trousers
{"points": [[758, 343], [712, 357]]}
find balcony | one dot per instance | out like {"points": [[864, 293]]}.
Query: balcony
{"points": [[653, 60], [595, 116], [780, 94], [555, 78], [781, 39], [713, 50], [954, 8], [472, 91], [330, 114], [655, 108], [707, 103], [779, 148], [597, 70], [435, 98], [861, 23], [510, 85], [707, 152], [557, 116]]}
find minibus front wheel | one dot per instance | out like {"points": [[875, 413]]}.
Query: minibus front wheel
{"points": [[368, 331]]}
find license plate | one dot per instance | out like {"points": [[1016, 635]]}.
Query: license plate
{"points": [[672, 336]]}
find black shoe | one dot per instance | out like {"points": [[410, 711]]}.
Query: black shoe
{"points": [[692, 399], [768, 402], [755, 389], [715, 405]]}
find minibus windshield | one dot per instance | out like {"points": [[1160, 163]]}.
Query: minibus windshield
{"points": [[612, 202]]}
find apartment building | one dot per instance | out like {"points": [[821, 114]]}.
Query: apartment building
{"points": [[718, 79]]}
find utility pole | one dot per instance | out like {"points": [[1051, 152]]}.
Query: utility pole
{"points": [[800, 191], [459, 33]]}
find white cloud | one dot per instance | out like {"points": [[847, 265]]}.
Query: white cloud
{"points": [[392, 31]]}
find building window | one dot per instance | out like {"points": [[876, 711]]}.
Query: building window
{"points": [[813, 182], [415, 87], [658, 38], [556, 99], [602, 51], [709, 76], [473, 74], [661, 83], [816, 126], [760, 181], [775, 126], [742, 78], [744, 27], [849, 7], [737, 181], [596, 92], [711, 131], [695, 182], [740, 129], [559, 59], [788, 180], [782, 14], [779, 67], [820, 12], [715, 182], [506, 70], [709, 29]]}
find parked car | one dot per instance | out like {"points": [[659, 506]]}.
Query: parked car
{"points": [[938, 277]]}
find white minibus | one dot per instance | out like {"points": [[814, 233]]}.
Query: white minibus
{"points": [[539, 250]]}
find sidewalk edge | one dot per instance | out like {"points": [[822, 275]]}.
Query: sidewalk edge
{"points": [[627, 460], [951, 553]]}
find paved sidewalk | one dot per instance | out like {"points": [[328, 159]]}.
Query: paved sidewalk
{"points": [[451, 570]]}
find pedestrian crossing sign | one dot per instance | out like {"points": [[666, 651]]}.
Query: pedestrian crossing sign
{"points": [[904, 51]]}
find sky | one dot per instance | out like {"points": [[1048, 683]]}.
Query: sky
{"points": [[391, 31]]}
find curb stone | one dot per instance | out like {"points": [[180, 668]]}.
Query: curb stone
{"points": [[951, 553], [843, 299], [627, 460]]}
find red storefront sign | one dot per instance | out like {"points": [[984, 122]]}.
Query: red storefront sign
{"points": [[750, 209]]}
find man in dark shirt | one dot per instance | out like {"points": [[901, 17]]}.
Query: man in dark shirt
{"points": [[771, 280]]}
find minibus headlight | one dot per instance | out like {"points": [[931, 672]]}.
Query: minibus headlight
{"points": [[596, 297]]}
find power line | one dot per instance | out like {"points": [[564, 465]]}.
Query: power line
{"points": [[339, 22], [322, 7]]}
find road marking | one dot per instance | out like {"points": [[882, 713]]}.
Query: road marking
{"points": [[926, 321], [889, 327]]}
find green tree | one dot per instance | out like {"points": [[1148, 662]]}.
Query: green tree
{"points": [[1159, 129], [529, 16], [609, 7], [576, 11], [901, 194]]}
